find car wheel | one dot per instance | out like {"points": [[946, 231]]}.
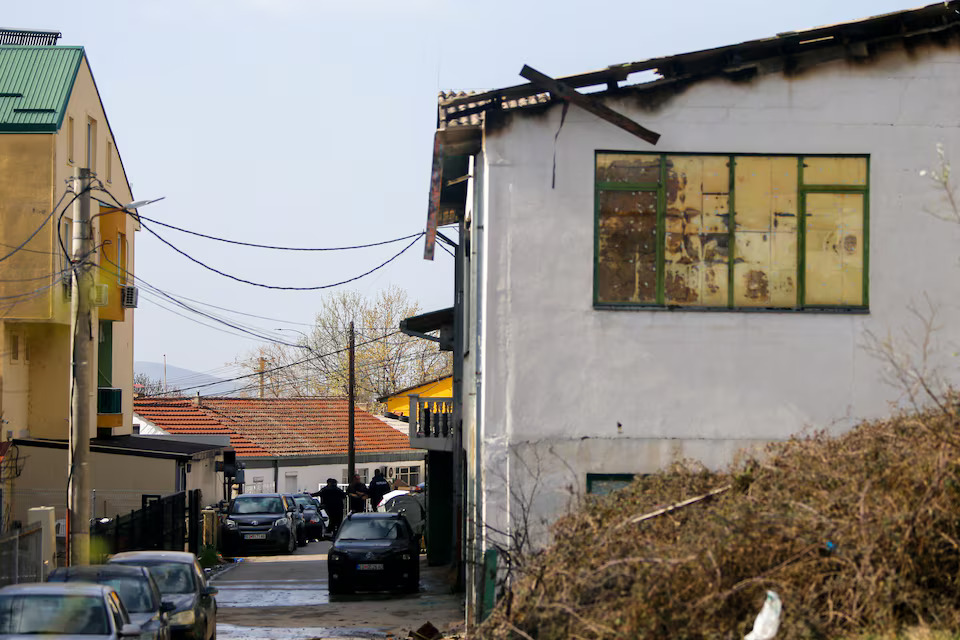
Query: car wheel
{"points": [[412, 584], [339, 589], [302, 538]]}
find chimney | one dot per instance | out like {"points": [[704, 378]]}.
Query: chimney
{"points": [[196, 401]]}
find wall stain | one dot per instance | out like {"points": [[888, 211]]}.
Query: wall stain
{"points": [[756, 285]]}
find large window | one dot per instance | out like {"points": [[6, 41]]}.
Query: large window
{"points": [[731, 231]]}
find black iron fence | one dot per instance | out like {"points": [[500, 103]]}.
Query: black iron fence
{"points": [[170, 523]]}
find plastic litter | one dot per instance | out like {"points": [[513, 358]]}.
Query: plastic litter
{"points": [[768, 620]]}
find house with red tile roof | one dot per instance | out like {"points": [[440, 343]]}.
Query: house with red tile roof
{"points": [[287, 444]]}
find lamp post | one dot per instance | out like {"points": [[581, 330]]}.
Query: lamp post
{"points": [[79, 506]]}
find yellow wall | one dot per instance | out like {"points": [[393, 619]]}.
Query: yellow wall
{"points": [[118, 479], [400, 403], [33, 173]]}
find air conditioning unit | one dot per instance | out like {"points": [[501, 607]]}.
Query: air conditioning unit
{"points": [[128, 297], [99, 295]]}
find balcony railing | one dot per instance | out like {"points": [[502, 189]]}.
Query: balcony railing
{"points": [[431, 423]]}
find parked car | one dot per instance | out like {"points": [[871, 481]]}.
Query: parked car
{"points": [[137, 590], [182, 582], [299, 522], [62, 610], [374, 552], [313, 522], [257, 521]]}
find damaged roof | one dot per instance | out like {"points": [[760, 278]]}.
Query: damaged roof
{"points": [[791, 52]]}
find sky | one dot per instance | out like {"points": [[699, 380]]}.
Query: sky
{"points": [[309, 123]]}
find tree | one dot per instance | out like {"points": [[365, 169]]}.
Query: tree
{"points": [[386, 360], [144, 385]]}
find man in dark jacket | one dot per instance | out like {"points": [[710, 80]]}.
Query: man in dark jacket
{"points": [[358, 495], [378, 488], [332, 499]]}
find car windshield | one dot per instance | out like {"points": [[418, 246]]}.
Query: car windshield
{"points": [[53, 614], [256, 504], [370, 530], [172, 577]]}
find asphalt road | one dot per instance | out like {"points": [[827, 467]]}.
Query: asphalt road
{"points": [[287, 597]]}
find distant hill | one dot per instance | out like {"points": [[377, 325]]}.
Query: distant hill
{"points": [[184, 378]]}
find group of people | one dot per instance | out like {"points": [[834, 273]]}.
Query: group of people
{"points": [[333, 498]]}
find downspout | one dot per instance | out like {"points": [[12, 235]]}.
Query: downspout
{"points": [[276, 475]]}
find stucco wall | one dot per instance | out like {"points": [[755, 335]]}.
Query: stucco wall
{"points": [[559, 376]]}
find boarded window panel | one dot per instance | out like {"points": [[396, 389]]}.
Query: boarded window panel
{"points": [[834, 249], [627, 252], [835, 171], [765, 270], [628, 167], [696, 242]]}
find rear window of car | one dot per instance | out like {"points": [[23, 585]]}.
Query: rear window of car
{"points": [[305, 501], [256, 504], [371, 530], [53, 614], [136, 594], [172, 577]]}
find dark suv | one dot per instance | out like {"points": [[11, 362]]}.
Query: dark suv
{"points": [[257, 521], [374, 552]]}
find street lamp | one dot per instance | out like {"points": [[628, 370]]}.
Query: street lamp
{"points": [[79, 508]]}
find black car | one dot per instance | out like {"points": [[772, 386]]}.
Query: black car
{"points": [[374, 552], [260, 521], [312, 518], [299, 521], [181, 582], [137, 590]]}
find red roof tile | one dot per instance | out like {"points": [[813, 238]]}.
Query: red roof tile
{"points": [[274, 426]]}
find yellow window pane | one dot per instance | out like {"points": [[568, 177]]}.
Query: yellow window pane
{"points": [[783, 288], [834, 171], [753, 247], [716, 175], [628, 167], [753, 203], [681, 284], [684, 194], [716, 213], [824, 288], [626, 260], [852, 286], [783, 175], [751, 285], [714, 284]]}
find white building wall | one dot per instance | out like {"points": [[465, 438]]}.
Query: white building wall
{"points": [[559, 376]]}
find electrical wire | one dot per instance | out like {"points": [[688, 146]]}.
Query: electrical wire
{"points": [[275, 247], [276, 287], [38, 229], [281, 367]]}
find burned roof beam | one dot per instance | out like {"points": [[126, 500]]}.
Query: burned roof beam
{"points": [[592, 105]]}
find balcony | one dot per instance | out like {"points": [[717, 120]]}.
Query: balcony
{"points": [[109, 407], [431, 423]]}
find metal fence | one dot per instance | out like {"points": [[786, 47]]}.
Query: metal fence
{"points": [[21, 556], [169, 522]]}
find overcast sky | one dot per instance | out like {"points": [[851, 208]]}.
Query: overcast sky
{"points": [[310, 123]]}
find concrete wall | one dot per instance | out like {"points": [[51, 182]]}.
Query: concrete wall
{"points": [[572, 390]]}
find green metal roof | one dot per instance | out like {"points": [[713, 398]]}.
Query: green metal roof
{"points": [[35, 86]]}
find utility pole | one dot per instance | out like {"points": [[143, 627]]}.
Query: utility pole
{"points": [[351, 398], [78, 478], [260, 368]]}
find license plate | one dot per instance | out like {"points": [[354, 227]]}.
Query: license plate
{"points": [[254, 536], [370, 567]]}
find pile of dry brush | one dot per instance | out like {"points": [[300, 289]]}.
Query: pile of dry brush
{"points": [[857, 534]]}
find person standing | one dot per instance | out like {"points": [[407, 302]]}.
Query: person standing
{"points": [[378, 488], [332, 499], [358, 495]]}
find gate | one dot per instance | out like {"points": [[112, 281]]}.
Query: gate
{"points": [[21, 556], [163, 523]]}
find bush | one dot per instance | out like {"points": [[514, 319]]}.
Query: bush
{"points": [[857, 534]]}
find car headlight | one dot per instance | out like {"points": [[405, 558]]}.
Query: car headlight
{"points": [[183, 617], [230, 524], [405, 556], [282, 522]]}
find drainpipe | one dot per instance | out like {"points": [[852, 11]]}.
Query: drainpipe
{"points": [[276, 475]]}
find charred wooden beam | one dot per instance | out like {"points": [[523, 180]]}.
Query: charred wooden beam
{"points": [[592, 105]]}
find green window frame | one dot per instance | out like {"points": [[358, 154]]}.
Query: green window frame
{"points": [[731, 232]]}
